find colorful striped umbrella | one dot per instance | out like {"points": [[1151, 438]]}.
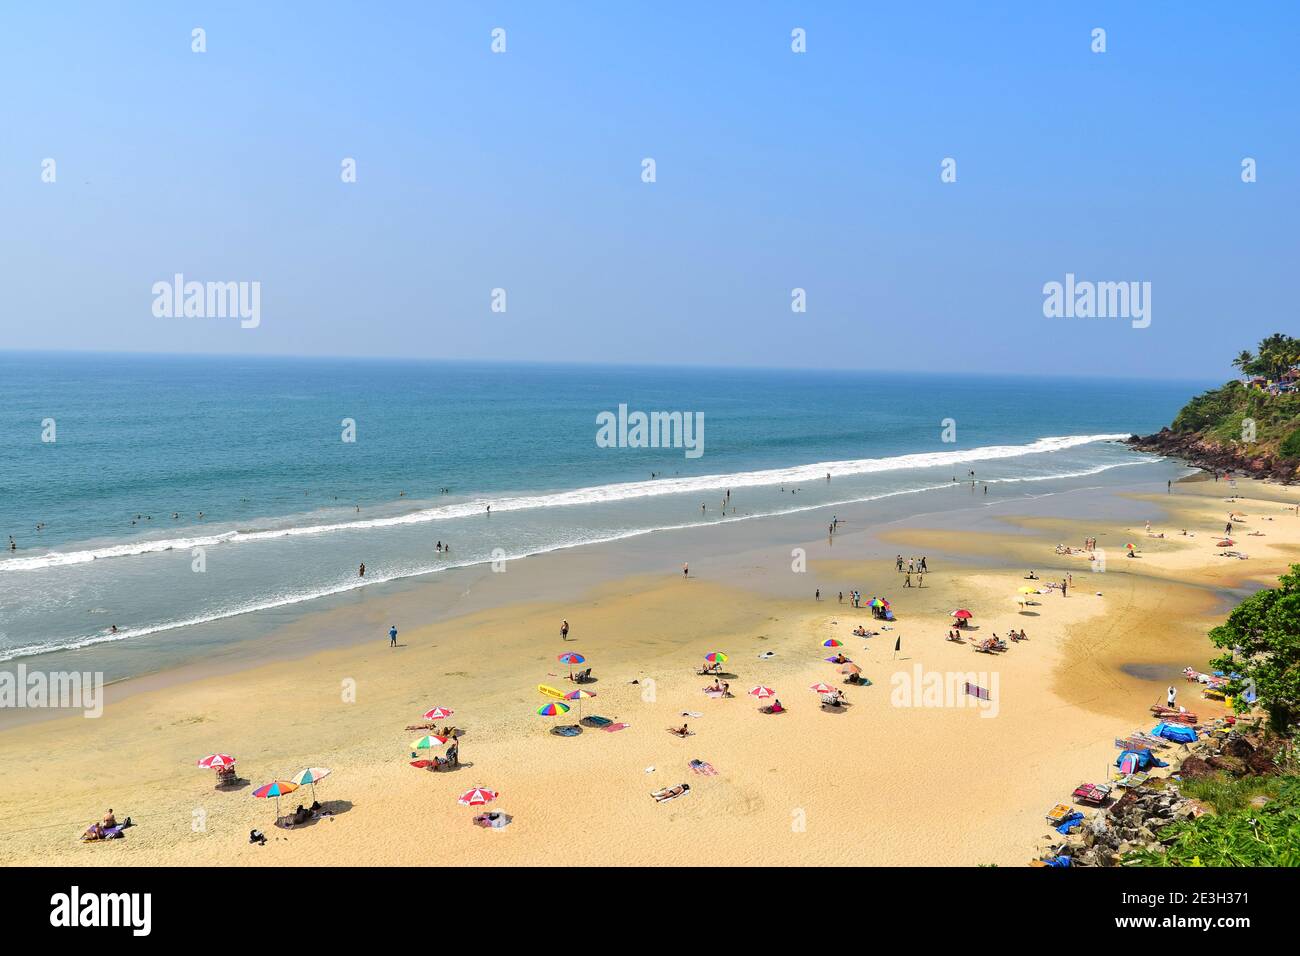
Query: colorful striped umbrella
{"points": [[716, 657], [878, 602], [216, 762], [277, 789], [438, 713], [310, 776], [571, 658], [832, 643], [428, 742], [579, 696], [553, 709], [477, 797], [761, 692]]}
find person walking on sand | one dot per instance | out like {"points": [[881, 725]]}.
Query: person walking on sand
{"points": [[819, 594], [686, 570], [392, 636], [907, 581], [564, 630]]}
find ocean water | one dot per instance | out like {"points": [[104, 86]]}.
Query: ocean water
{"points": [[143, 444]]}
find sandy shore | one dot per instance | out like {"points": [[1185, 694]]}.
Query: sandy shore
{"points": [[878, 784]]}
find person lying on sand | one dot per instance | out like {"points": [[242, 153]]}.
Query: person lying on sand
{"points": [[682, 731], [668, 793]]}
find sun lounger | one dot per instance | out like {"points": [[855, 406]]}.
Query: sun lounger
{"points": [[1091, 794], [1132, 780], [1059, 813], [568, 730], [595, 721]]}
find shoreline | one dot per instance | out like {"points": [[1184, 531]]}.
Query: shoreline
{"points": [[1064, 696]]}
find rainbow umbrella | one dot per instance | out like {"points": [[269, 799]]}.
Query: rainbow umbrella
{"points": [[579, 696], [438, 713], [277, 789], [762, 692], [832, 643], [216, 762], [477, 797], [878, 602], [554, 709], [716, 657], [571, 658], [310, 776]]}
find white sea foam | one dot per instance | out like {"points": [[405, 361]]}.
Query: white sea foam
{"points": [[598, 494], [354, 584]]}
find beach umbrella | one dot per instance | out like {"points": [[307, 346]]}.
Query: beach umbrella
{"points": [[438, 713], [579, 696], [216, 762], [477, 797], [553, 709], [716, 657], [1130, 546], [879, 602], [762, 692], [428, 742], [821, 688], [850, 668], [571, 658], [832, 643], [310, 776], [961, 614], [277, 789]]}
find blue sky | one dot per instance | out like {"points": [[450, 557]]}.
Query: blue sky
{"points": [[775, 170]]}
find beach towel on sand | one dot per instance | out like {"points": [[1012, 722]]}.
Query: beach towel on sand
{"points": [[703, 768], [595, 721], [614, 728], [671, 793], [571, 730]]}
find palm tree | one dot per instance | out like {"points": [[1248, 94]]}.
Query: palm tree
{"points": [[1243, 361]]}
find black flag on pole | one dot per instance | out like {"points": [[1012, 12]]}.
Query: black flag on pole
{"points": [[898, 644]]}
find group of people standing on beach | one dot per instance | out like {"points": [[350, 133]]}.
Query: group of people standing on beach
{"points": [[917, 566]]}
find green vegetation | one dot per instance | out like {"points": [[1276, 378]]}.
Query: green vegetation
{"points": [[1225, 415], [1262, 640], [1250, 836], [1230, 794]]}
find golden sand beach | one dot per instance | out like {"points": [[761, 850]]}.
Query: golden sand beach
{"points": [[881, 782]]}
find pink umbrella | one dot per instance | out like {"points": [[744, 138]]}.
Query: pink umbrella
{"points": [[438, 713], [822, 688], [761, 692], [477, 797], [217, 762]]}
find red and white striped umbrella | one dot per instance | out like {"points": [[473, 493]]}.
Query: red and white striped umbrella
{"points": [[477, 797], [761, 692], [822, 688], [217, 762], [438, 713]]}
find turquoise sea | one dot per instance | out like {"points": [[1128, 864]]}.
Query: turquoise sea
{"points": [[143, 444]]}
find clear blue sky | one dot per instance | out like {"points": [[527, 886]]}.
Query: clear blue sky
{"points": [[775, 170]]}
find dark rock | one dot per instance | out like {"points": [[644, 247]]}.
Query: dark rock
{"points": [[1230, 765], [1196, 768]]}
